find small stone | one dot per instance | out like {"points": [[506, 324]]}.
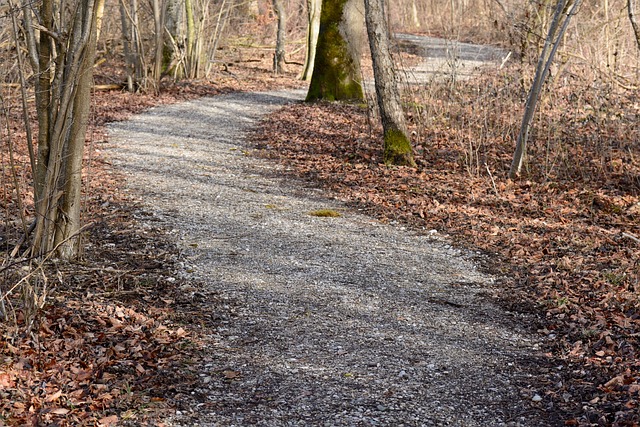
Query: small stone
{"points": [[536, 398]]}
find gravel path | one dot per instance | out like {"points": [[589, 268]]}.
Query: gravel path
{"points": [[450, 59], [323, 321]]}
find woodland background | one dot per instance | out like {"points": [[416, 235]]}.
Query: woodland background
{"points": [[564, 236]]}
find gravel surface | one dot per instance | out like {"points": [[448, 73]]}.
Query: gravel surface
{"points": [[322, 321], [450, 59]]}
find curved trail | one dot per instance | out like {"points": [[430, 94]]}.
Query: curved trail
{"points": [[322, 321]]}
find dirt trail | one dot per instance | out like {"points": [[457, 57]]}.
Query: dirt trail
{"points": [[320, 321]]}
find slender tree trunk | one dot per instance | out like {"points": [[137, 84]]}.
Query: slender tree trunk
{"points": [[397, 147], [133, 49], [223, 18], [415, 18], [67, 239], [279, 55], [158, 22], [43, 99], [631, 8], [138, 48], [336, 74], [314, 8], [125, 25], [23, 82], [565, 9]]}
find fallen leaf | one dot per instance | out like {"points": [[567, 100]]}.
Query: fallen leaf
{"points": [[53, 397], [6, 381], [108, 421], [229, 374]]}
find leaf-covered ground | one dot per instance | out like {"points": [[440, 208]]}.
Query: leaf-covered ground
{"points": [[117, 337], [565, 238], [120, 334]]}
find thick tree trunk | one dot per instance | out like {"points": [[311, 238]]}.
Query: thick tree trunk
{"points": [[192, 54], [172, 54], [279, 64], [314, 8], [336, 75], [397, 147]]}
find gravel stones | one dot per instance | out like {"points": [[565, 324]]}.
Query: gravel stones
{"points": [[323, 321]]}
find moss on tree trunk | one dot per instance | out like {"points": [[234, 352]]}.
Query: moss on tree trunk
{"points": [[397, 148], [336, 74]]}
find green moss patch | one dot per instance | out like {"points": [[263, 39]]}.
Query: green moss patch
{"points": [[325, 213]]}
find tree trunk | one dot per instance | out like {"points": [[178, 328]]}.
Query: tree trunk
{"points": [[192, 55], [631, 9], [336, 75], [415, 18], [133, 49], [313, 28], [43, 98], [158, 23], [397, 147], [63, 123], [279, 55], [565, 9], [172, 54]]}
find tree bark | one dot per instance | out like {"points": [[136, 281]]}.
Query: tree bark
{"points": [[43, 98], [397, 147], [67, 239], [132, 43], [173, 23], [565, 9], [63, 122], [336, 75], [192, 55], [158, 23], [631, 9], [314, 8], [279, 65]]}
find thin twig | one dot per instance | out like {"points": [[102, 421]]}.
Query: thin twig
{"points": [[631, 236], [493, 182]]}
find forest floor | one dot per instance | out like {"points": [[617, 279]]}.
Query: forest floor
{"points": [[565, 248]]}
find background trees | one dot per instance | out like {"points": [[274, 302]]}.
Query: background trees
{"points": [[145, 41], [148, 40]]}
